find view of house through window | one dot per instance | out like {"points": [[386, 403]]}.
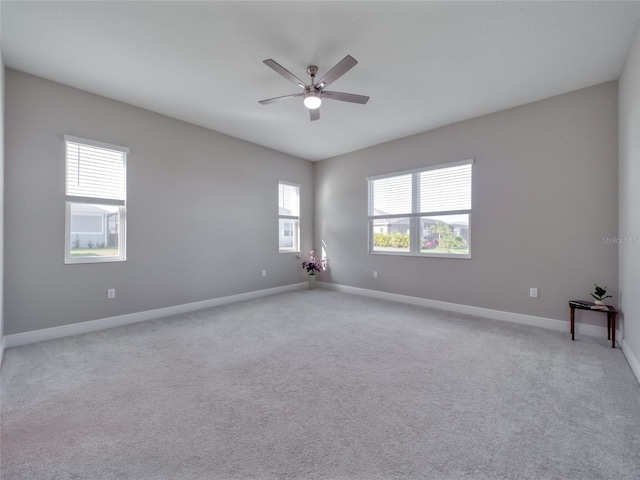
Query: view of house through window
{"points": [[422, 212], [288, 217], [95, 201]]}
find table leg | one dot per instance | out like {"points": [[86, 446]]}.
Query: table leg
{"points": [[573, 315], [608, 326], [613, 329]]}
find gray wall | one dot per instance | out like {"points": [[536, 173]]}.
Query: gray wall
{"points": [[212, 199], [629, 263], [545, 183], [1, 203], [544, 196]]}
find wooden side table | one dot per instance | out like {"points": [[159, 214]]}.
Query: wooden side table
{"points": [[608, 309]]}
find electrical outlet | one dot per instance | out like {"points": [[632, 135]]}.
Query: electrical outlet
{"points": [[375, 274], [264, 273], [111, 293], [533, 292]]}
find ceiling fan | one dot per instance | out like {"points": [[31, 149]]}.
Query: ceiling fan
{"points": [[315, 92]]}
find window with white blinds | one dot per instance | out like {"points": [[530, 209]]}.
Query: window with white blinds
{"points": [[96, 194], [422, 212], [288, 217]]}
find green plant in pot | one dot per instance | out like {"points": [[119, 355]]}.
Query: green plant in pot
{"points": [[600, 294]]}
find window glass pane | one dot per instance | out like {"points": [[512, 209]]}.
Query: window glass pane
{"points": [[94, 230], [288, 228], [445, 235], [288, 234], [87, 223], [96, 188], [422, 212], [391, 196], [288, 199], [445, 189], [391, 235]]}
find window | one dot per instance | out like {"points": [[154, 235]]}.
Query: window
{"points": [[288, 217], [423, 212], [96, 185]]}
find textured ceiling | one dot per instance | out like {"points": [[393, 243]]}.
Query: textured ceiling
{"points": [[424, 64]]}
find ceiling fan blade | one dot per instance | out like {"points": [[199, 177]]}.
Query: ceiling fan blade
{"points": [[345, 97], [284, 72], [277, 99], [339, 69], [315, 114]]}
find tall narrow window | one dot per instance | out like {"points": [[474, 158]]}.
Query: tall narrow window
{"points": [[96, 195], [422, 212], [288, 217]]}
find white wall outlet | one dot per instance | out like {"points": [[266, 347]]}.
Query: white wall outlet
{"points": [[111, 293], [375, 274], [533, 292], [264, 273]]}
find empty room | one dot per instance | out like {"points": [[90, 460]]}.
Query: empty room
{"points": [[332, 240]]}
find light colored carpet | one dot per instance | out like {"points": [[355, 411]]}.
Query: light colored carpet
{"points": [[320, 385]]}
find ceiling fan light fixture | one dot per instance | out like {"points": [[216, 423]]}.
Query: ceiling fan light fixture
{"points": [[312, 100]]}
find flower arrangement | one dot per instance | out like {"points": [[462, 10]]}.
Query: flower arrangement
{"points": [[312, 263]]}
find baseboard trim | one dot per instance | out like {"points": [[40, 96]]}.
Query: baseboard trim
{"points": [[2, 347], [550, 323], [26, 338], [19, 339], [631, 358]]}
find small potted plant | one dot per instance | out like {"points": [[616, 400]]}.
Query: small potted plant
{"points": [[600, 294], [312, 264]]}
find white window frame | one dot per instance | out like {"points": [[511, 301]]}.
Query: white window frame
{"points": [[295, 248], [415, 215], [72, 199]]}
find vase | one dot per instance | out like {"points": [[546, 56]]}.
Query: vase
{"points": [[599, 302], [312, 281]]}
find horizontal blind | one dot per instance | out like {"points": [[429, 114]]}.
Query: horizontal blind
{"points": [[390, 195], [289, 199], [95, 172], [445, 189]]}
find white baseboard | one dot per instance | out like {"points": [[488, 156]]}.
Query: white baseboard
{"points": [[550, 323], [26, 338], [2, 346], [632, 359]]}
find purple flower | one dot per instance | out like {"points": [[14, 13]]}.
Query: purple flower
{"points": [[313, 264]]}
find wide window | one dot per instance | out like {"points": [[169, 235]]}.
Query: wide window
{"points": [[288, 217], [96, 194], [422, 212]]}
